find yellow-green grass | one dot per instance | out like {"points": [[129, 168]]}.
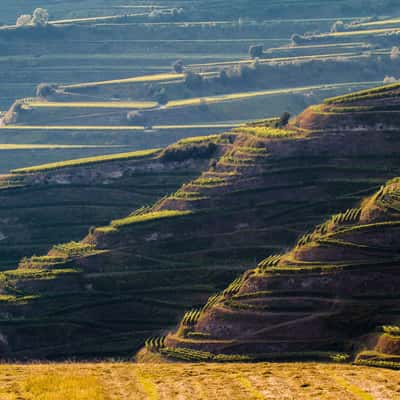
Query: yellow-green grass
{"points": [[117, 128], [88, 161], [367, 32], [140, 105], [281, 59], [130, 381], [266, 131], [391, 21], [94, 19], [320, 46], [150, 216], [246, 95], [162, 77], [170, 76], [8, 146]]}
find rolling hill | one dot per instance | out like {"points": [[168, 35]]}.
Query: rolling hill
{"points": [[253, 193]]}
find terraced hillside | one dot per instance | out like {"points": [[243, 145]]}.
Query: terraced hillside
{"points": [[42, 210], [265, 185], [332, 293]]}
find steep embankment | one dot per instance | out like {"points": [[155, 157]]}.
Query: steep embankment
{"points": [[134, 277]]}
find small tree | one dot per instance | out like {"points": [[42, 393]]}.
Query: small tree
{"points": [[256, 51], [40, 17], [395, 54], [179, 66], [284, 119], [24, 20], [338, 26], [223, 77], [45, 89], [389, 79], [193, 80], [137, 118]]}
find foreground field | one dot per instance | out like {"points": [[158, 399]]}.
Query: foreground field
{"points": [[196, 382]]}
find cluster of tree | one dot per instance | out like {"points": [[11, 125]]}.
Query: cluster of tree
{"points": [[158, 93], [189, 151], [39, 18]]}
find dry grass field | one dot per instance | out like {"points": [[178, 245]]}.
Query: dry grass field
{"points": [[107, 381]]}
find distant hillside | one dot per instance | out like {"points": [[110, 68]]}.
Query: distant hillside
{"points": [[146, 74], [253, 192]]}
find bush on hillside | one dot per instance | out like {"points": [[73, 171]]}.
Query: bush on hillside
{"points": [[45, 90], [179, 66], [137, 118], [39, 18], [389, 79], [283, 120], [256, 51], [223, 77], [161, 96], [338, 26]]}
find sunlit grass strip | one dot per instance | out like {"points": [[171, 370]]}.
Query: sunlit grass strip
{"points": [[95, 19], [21, 273], [392, 21], [87, 161], [136, 79], [54, 146], [53, 386], [142, 105], [321, 46], [267, 132], [359, 33], [357, 392], [380, 91], [151, 216]]}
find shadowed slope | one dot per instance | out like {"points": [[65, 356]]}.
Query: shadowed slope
{"points": [[134, 277], [328, 294]]}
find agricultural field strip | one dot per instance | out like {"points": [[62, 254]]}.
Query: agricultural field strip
{"points": [[117, 128], [196, 101], [8, 146], [359, 33], [94, 19], [392, 21]]}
